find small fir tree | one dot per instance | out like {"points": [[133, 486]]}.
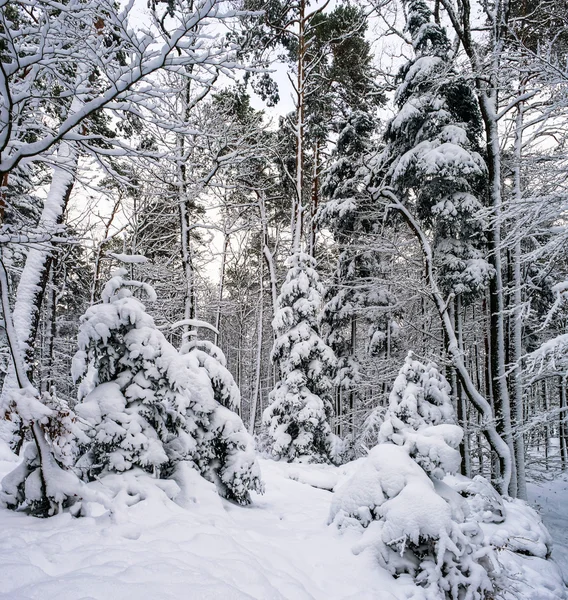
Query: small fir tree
{"points": [[421, 418], [150, 406], [297, 419]]}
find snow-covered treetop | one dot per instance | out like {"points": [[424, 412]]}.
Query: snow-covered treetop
{"points": [[427, 37], [433, 158], [117, 287], [301, 294], [420, 395], [421, 417], [118, 313]]}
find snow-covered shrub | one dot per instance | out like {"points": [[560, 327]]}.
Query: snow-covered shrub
{"points": [[297, 419], [413, 530], [416, 525], [520, 542], [421, 418], [449, 536], [43, 484], [150, 406]]}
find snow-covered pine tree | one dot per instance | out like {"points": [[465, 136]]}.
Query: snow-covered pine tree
{"points": [[359, 305], [125, 393], [149, 406], [432, 157], [211, 358], [227, 454], [297, 419], [421, 418]]}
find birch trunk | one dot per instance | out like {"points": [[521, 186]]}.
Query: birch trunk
{"points": [[35, 274], [256, 393]]}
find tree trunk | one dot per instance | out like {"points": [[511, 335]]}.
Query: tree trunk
{"points": [[256, 393], [297, 222], [498, 445], [517, 407], [562, 426], [315, 201], [461, 401], [35, 274], [221, 287]]}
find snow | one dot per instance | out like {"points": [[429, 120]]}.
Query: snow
{"points": [[129, 258], [551, 499], [202, 547], [193, 323]]}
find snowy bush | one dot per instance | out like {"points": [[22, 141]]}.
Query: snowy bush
{"points": [[42, 483], [450, 536], [150, 406], [414, 523], [411, 528], [521, 543], [297, 420]]}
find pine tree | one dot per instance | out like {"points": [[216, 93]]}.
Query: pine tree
{"points": [[125, 391], [359, 292], [297, 419], [150, 406]]}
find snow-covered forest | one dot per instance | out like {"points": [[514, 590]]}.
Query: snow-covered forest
{"points": [[284, 297]]}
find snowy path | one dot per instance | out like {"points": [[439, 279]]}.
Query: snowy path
{"points": [[551, 500], [278, 548]]}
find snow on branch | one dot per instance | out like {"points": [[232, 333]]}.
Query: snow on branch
{"points": [[194, 323]]}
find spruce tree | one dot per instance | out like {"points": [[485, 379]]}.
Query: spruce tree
{"points": [[149, 406], [359, 292], [421, 418], [432, 157], [297, 419]]}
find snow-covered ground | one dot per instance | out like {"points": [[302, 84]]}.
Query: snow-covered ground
{"points": [[551, 500], [280, 547]]}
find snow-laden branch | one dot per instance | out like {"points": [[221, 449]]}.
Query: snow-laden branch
{"points": [[187, 44], [194, 323]]}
